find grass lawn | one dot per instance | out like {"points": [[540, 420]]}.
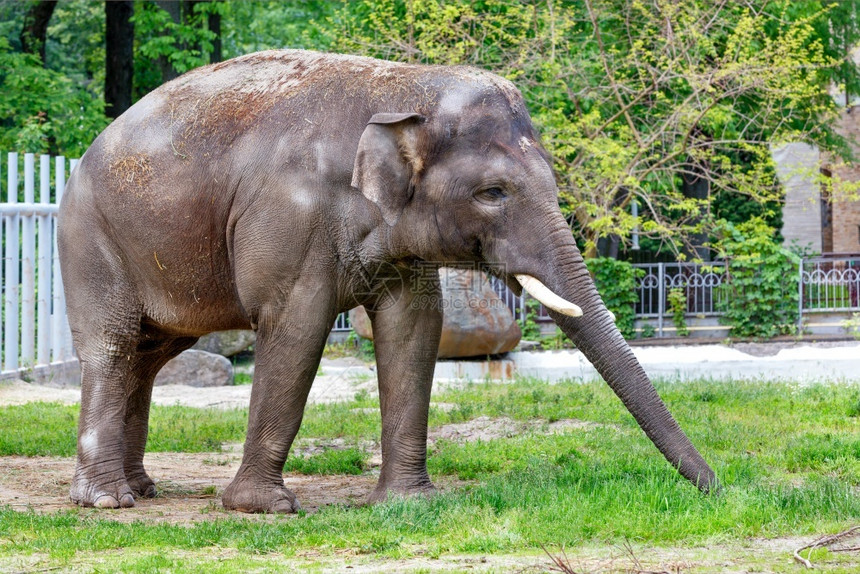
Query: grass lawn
{"points": [[788, 456]]}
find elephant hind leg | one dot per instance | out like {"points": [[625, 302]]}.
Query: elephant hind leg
{"points": [[119, 357], [153, 352], [106, 346]]}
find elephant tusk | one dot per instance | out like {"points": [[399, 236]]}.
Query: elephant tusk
{"points": [[549, 299], [611, 315]]}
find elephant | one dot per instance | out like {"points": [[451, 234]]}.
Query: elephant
{"points": [[277, 189]]}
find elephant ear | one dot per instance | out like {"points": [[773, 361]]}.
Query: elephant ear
{"points": [[386, 159]]}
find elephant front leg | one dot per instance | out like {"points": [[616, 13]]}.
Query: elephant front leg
{"points": [[289, 346], [406, 332]]}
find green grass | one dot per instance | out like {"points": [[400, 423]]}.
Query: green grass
{"points": [[50, 429], [787, 454], [242, 378], [345, 461]]}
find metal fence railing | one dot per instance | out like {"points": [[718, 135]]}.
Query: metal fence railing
{"points": [[829, 284], [35, 330], [825, 284]]}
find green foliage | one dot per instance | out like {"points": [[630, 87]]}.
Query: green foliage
{"points": [[182, 45], [275, 24], [616, 283], [76, 43], [42, 110], [242, 378], [852, 325], [529, 327], [677, 299], [632, 96], [329, 461], [558, 340], [186, 44], [759, 297]]}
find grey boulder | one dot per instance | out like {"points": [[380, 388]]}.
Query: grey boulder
{"points": [[476, 322], [226, 343], [196, 369]]}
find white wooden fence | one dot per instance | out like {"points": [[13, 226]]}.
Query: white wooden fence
{"points": [[35, 329]]}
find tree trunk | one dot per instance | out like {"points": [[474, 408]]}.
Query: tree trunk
{"points": [[35, 30], [119, 61], [695, 186], [215, 28], [174, 8]]}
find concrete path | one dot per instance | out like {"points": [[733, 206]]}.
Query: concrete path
{"points": [[342, 379], [832, 361]]}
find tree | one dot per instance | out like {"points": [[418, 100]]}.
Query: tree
{"points": [[178, 36], [633, 97], [35, 29], [173, 8], [119, 61], [214, 25]]}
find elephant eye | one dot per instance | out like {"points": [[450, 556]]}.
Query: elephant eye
{"points": [[491, 195]]}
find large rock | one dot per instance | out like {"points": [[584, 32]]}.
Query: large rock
{"points": [[226, 343], [476, 322], [196, 369]]}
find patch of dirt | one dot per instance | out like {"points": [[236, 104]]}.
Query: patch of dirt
{"points": [[486, 428], [20, 392], [190, 484], [189, 487]]}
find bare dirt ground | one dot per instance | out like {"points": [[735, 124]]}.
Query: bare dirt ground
{"points": [[190, 484], [189, 487]]}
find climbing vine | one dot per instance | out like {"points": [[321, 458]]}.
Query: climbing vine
{"points": [[759, 298], [616, 283], [677, 300]]}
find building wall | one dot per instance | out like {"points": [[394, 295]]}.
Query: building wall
{"points": [[845, 211], [797, 166], [846, 227]]}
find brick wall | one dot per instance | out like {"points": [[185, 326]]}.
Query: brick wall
{"points": [[845, 212], [846, 227]]}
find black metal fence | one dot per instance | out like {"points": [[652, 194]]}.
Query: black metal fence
{"points": [[825, 284]]}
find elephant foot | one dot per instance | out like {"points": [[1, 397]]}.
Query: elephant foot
{"points": [[104, 493], [384, 491], [244, 496], [141, 485]]}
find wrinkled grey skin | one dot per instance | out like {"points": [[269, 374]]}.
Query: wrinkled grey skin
{"points": [[278, 189]]}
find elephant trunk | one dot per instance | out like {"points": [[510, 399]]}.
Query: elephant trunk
{"points": [[596, 335]]}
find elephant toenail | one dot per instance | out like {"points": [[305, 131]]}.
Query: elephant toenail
{"points": [[106, 501]]}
